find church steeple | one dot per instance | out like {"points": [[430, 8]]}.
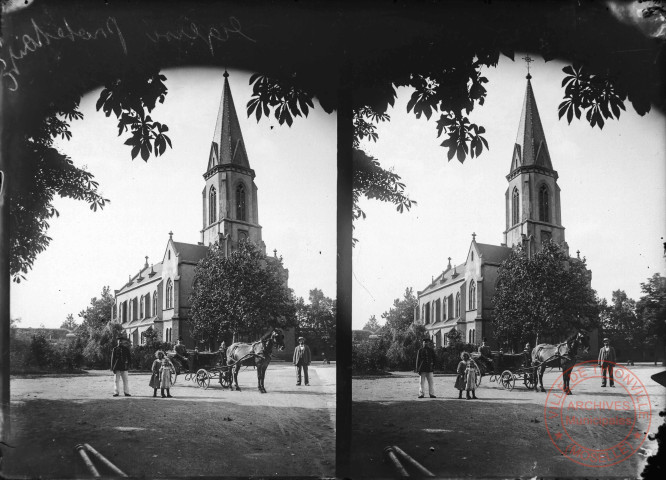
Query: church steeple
{"points": [[533, 213], [230, 207], [530, 147], [227, 146]]}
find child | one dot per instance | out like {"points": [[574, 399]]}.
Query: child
{"points": [[470, 379], [166, 368], [155, 377]]}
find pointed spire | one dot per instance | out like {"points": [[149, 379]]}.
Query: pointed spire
{"points": [[530, 148], [227, 146]]}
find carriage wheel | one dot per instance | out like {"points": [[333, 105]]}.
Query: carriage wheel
{"points": [[225, 378], [529, 381], [203, 380], [507, 380], [478, 379], [174, 376]]}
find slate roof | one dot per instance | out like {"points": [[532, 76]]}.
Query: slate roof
{"points": [[530, 148], [227, 147], [493, 253], [145, 274], [188, 252]]}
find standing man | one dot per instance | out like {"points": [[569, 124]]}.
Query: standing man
{"points": [[302, 359], [120, 363], [606, 362], [425, 366]]}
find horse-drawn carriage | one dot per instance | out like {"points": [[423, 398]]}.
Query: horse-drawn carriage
{"points": [[506, 368], [201, 367]]}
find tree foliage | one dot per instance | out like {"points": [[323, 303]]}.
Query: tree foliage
{"points": [[41, 172], [69, 323], [97, 331], [372, 325], [619, 321], [317, 320], [243, 293], [545, 297], [400, 316], [651, 308]]}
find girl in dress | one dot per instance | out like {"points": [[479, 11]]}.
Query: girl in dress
{"points": [[466, 379], [155, 377], [166, 368]]}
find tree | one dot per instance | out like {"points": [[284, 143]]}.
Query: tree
{"points": [[40, 171], [651, 308], [620, 322], [317, 321], [372, 325], [69, 323], [97, 331], [400, 316], [243, 293], [545, 297]]}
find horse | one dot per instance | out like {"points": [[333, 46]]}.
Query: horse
{"points": [[254, 354], [561, 355]]}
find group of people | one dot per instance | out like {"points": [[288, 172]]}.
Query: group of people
{"points": [[468, 370], [163, 367]]}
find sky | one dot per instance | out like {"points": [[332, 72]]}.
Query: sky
{"points": [[295, 176], [612, 182]]}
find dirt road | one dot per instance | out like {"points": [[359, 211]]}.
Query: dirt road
{"points": [[288, 431], [503, 434]]}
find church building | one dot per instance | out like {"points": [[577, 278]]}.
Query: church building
{"points": [[158, 295], [460, 296]]}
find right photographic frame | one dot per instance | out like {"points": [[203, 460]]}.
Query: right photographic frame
{"points": [[508, 244]]}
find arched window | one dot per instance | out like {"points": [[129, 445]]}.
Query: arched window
{"points": [[544, 204], [212, 206], [515, 206], [147, 300], [457, 304], [155, 303], [240, 203], [169, 294], [472, 295], [141, 310]]}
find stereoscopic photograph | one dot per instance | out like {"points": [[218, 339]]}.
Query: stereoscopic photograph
{"points": [[332, 240]]}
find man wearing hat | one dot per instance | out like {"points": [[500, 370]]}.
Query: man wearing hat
{"points": [[120, 363], [425, 366], [302, 359], [606, 362]]}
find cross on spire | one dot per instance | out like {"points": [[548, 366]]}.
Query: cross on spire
{"points": [[528, 60]]}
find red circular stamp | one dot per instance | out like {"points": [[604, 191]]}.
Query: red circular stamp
{"points": [[602, 426]]}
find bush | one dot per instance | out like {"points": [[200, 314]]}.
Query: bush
{"points": [[144, 355], [369, 357], [447, 358]]}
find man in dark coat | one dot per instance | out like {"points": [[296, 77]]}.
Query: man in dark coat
{"points": [[302, 359], [425, 366], [120, 363], [606, 362], [181, 354]]}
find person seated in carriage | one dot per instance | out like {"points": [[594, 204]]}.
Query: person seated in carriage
{"points": [[527, 355], [181, 354]]}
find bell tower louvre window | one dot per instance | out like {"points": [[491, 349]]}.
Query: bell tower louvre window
{"points": [[515, 206], [240, 203], [212, 206], [544, 204]]}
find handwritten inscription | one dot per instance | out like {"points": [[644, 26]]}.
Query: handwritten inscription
{"points": [[40, 37], [208, 35]]}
